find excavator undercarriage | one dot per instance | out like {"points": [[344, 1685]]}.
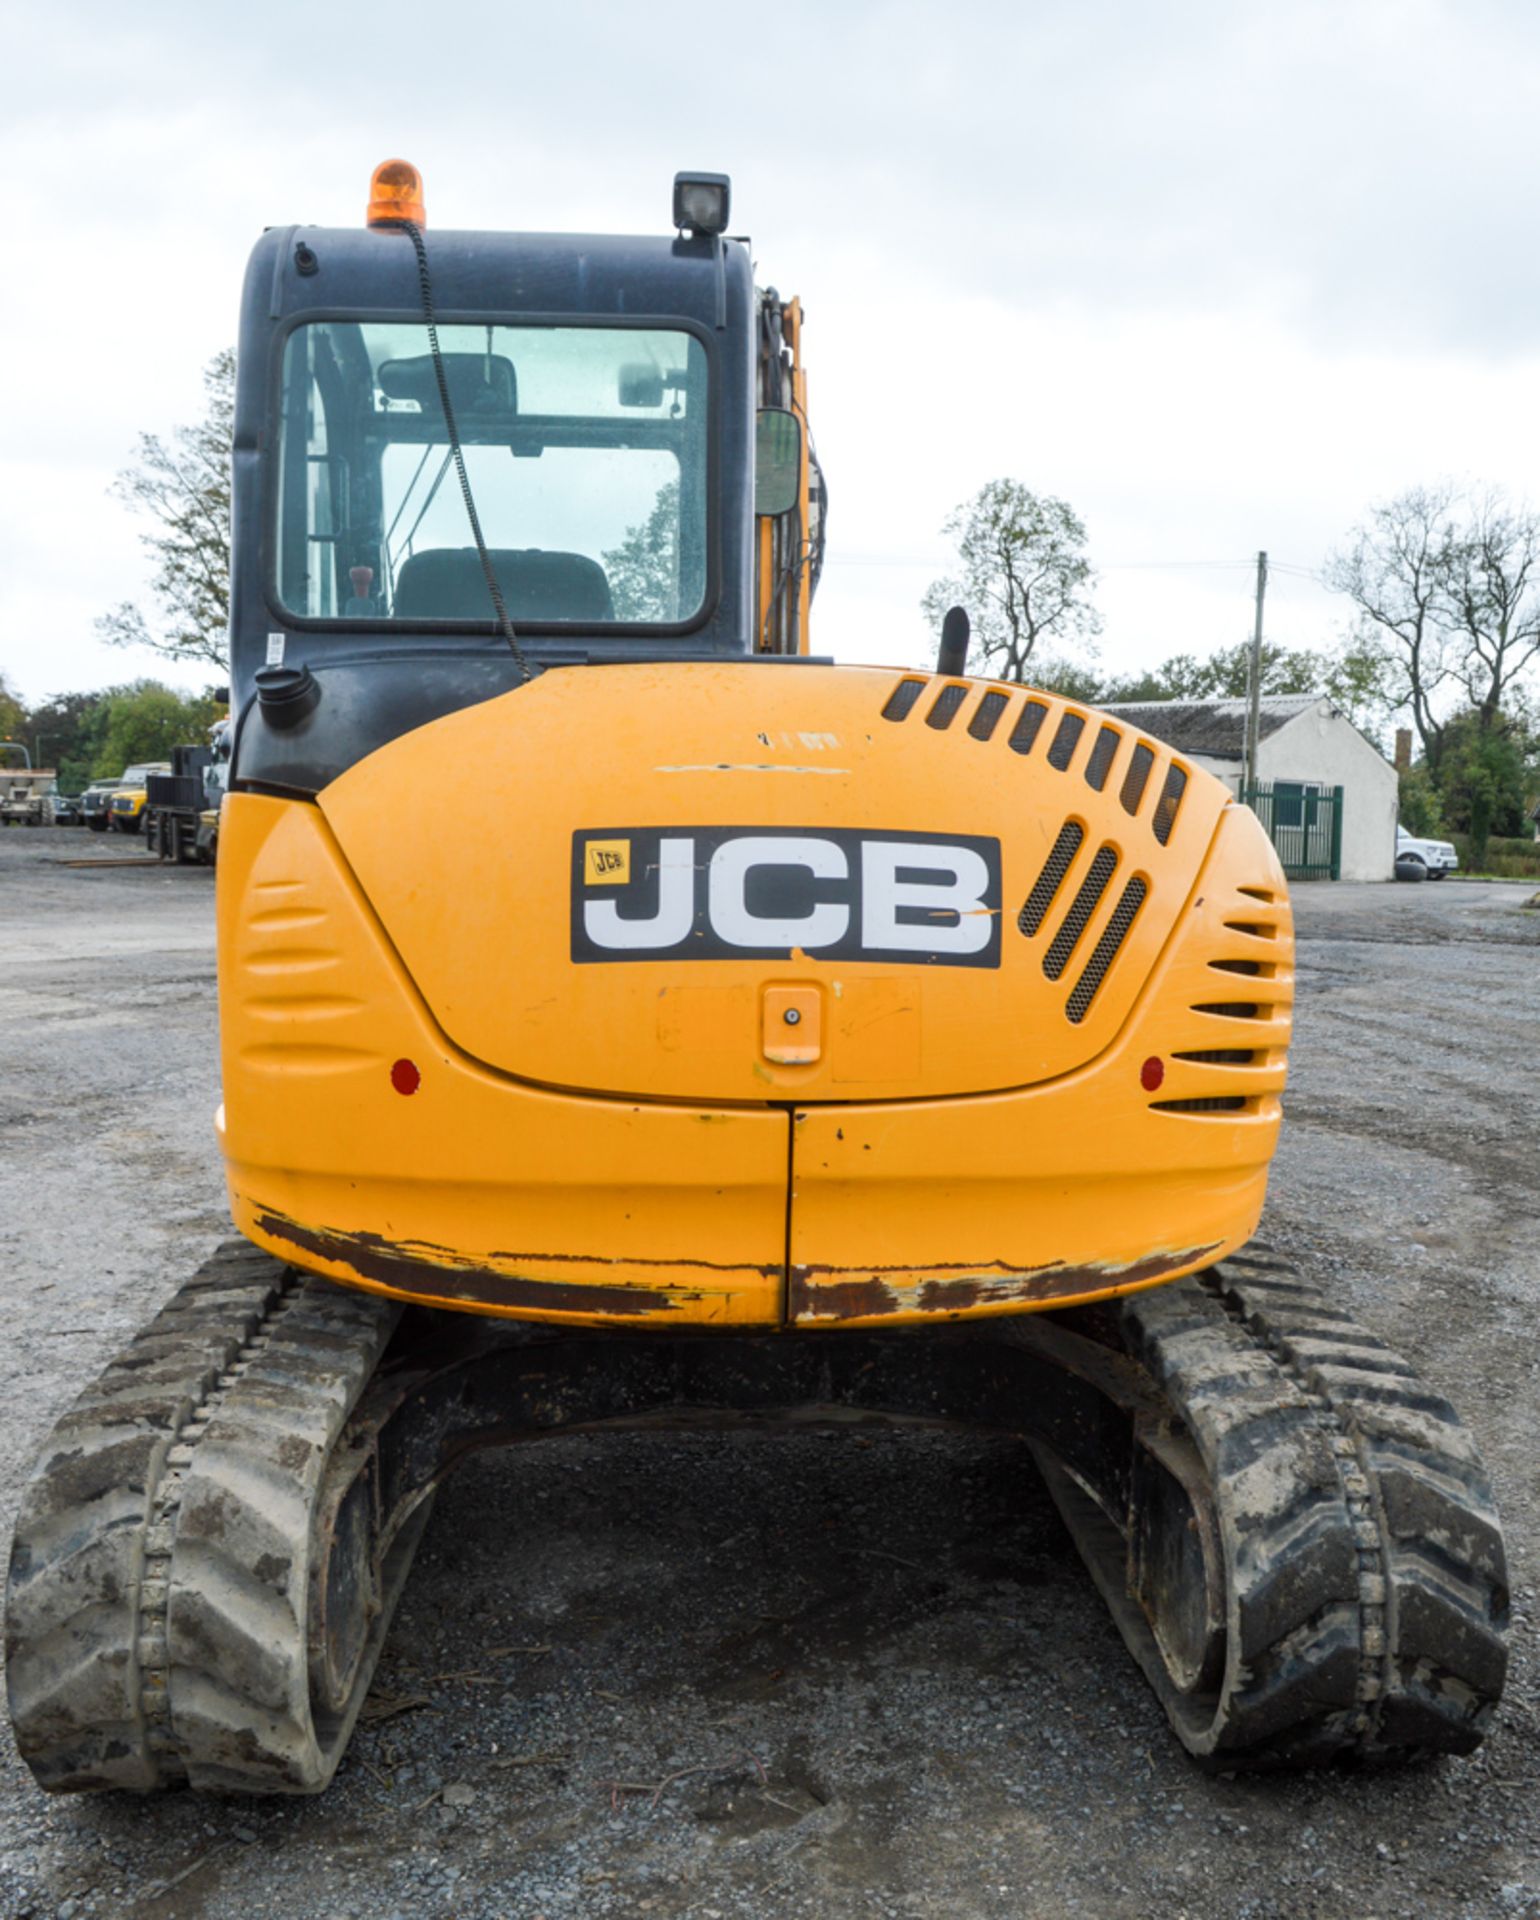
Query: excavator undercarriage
{"points": [[209, 1555]]}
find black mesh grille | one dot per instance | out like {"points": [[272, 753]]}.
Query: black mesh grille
{"points": [[1230, 1009], [944, 710], [1106, 951], [1048, 882], [1221, 1057], [984, 722], [1082, 907], [1066, 740], [1216, 1103], [1027, 728], [901, 700], [1137, 777], [1100, 763], [1170, 800]]}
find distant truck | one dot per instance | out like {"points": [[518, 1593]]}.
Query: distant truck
{"points": [[181, 807], [26, 792], [95, 800]]}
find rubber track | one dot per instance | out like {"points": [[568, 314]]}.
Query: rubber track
{"points": [[158, 1591], [1368, 1592], [73, 1624], [1439, 1540], [239, 1591]]}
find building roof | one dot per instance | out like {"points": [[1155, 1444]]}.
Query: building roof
{"points": [[1214, 727]]}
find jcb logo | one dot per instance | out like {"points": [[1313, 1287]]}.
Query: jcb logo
{"points": [[736, 893]]}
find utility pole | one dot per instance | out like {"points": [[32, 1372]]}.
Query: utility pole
{"points": [[1254, 716]]}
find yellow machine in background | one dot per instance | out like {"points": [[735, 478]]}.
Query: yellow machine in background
{"points": [[125, 807], [856, 1039]]}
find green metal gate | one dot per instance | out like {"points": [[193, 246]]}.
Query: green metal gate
{"points": [[1304, 823]]}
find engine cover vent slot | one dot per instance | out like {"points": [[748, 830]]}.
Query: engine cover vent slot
{"points": [[1220, 1057], [1251, 968], [1027, 728], [1102, 755], [990, 708], [1106, 950], [901, 701], [1169, 803], [1231, 1009], [1082, 907], [1065, 740], [944, 708], [1048, 882], [1137, 777], [1215, 1103]]}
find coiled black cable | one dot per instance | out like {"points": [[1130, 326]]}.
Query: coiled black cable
{"points": [[425, 285]]}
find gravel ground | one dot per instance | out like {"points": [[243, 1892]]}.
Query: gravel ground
{"points": [[742, 1676]]}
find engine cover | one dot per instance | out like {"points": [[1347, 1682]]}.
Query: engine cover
{"points": [[746, 882]]}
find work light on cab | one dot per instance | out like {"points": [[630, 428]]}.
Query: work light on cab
{"points": [[395, 194], [701, 202]]}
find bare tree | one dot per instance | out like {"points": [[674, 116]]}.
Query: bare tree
{"points": [[1022, 574], [1397, 571], [1494, 592], [183, 486]]}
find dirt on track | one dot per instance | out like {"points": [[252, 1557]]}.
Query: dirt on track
{"points": [[734, 1677]]}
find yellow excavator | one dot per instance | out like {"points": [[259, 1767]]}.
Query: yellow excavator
{"points": [[626, 1013]]}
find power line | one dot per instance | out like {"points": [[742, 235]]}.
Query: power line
{"points": [[1190, 566]]}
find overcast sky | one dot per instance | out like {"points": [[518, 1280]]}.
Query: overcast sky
{"points": [[1220, 275]]}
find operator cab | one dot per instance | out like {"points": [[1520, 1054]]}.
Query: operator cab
{"points": [[463, 458]]}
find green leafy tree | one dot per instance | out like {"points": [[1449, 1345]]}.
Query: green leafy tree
{"points": [[1068, 679], [1024, 578], [1168, 681], [1360, 680], [145, 720], [1224, 675], [1482, 777], [66, 732], [13, 715], [644, 569], [1421, 809], [182, 486]]}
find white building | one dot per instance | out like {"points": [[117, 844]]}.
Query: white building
{"points": [[1306, 749]]}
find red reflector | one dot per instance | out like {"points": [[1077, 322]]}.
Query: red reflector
{"points": [[405, 1078], [1150, 1074]]}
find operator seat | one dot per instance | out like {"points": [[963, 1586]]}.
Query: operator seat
{"points": [[447, 583]]}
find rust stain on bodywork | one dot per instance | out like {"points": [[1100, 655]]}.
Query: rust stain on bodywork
{"points": [[439, 1273], [836, 1293]]}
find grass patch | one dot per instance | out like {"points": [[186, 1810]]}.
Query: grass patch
{"points": [[1510, 859]]}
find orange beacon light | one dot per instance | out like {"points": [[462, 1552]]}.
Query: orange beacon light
{"points": [[395, 193]]}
